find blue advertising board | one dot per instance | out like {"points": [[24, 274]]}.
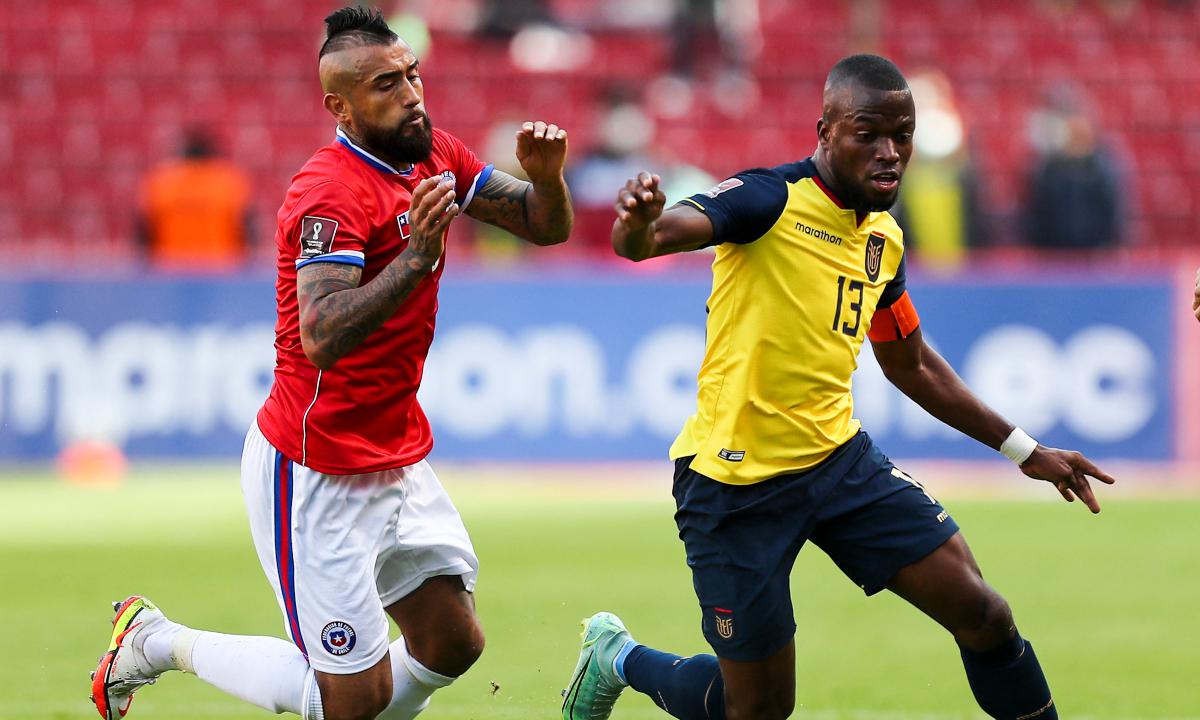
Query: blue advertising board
{"points": [[568, 367]]}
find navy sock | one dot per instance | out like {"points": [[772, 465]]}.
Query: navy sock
{"points": [[1008, 682], [688, 688]]}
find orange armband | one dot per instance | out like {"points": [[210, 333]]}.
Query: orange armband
{"points": [[895, 322]]}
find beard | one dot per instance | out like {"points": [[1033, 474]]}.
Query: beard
{"points": [[404, 144], [860, 199]]}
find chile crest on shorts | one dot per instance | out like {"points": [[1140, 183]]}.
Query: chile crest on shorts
{"points": [[874, 259], [338, 638]]}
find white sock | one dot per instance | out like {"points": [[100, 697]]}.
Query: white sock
{"points": [[157, 645], [412, 684], [264, 671]]}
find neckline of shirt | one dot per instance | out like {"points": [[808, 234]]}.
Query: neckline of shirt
{"points": [[367, 157]]}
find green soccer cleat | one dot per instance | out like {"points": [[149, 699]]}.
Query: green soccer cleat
{"points": [[595, 685], [124, 669]]}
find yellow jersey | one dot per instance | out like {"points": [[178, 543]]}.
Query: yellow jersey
{"points": [[796, 284]]}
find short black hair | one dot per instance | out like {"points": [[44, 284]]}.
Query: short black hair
{"points": [[355, 26], [872, 71]]}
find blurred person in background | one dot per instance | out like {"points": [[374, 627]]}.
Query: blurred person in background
{"points": [[623, 145], [505, 18], [350, 523], [195, 212], [624, 133], [697, 28], [1074, 191], [939, 206]]}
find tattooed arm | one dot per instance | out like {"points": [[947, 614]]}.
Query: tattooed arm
{"points": [[539, 210], [336, 314]]}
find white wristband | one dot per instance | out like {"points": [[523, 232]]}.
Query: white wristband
{"points": [[1018, 446]]}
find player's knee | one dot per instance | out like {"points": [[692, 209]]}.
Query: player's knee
{"points": [[989, 625], [452, 654], [466, 649]]}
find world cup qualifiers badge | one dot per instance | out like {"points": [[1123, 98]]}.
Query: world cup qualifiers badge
{"points": [[338, 638]]}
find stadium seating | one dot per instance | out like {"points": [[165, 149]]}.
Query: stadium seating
{"points": [[100, 92]]}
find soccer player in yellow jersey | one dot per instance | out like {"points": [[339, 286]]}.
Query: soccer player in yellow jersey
{"points": [[808, 265]]}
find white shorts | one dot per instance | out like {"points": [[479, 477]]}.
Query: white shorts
{"points": [[338, 549]]}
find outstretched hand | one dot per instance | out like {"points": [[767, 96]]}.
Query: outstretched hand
{"points": [[542, 151], [640, 202], [1068, 471]]}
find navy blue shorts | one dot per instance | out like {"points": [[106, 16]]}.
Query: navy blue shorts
{"points": [[742, 540]]}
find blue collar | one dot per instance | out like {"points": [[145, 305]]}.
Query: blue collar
{"points": [[368, 158]]}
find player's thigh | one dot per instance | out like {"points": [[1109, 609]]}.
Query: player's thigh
{"points": [[741, 543], [426, 573], [763, 689], [879, 520], [316, 537], [427, 538], [947, 586]]}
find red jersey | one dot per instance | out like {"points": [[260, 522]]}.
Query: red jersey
{"points": [[347, 206]]}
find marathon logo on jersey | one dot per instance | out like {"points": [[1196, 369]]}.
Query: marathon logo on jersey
{"points": [[405, 228], [724, 185], [875, 245], [316, 235], [732, 455], [338, 638], [724, 622]]}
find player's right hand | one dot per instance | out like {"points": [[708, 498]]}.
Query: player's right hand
{"points": [[640, 202], [433, 207]]}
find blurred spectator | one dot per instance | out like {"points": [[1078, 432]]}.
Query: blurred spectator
{"points": [[1074, 190], [623, 136], [697, 28], [407, 22], [939, 204], [195, 211], [491, 245], [624, 147], [505, 18]]}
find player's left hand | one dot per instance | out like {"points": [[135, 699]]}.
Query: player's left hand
{"points": [[542, 151], [1068, 471]]}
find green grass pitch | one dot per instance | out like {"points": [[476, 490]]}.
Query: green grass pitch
{"points": [[1111, 602]]}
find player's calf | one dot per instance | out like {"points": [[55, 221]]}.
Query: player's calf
{"points": [[763, 707], [361, 696], [762, 688]]}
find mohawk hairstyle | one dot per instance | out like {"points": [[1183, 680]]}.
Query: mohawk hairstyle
{"points": [[872, 71], [355, 26]]}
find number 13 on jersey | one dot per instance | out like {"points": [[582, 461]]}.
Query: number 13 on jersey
{"points": [[851, 290]]}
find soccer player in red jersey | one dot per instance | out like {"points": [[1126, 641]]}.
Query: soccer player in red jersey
{"points": [[349, 521]]}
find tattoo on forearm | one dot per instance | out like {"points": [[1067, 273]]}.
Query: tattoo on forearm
{"points": [[502, 201], [508, 203], [338, 314]]}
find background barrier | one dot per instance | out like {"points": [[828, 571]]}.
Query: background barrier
{"points": [[577, 366]]}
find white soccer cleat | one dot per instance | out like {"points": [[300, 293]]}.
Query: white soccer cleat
{"points": [[124, 669]]}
